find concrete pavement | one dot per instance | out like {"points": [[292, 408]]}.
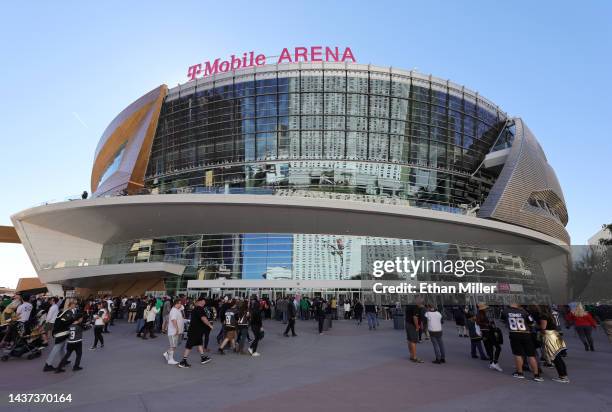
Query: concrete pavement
{"points": [[348, 368]]}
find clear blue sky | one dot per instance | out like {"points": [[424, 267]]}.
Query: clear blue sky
{"points": [[68, 68]]}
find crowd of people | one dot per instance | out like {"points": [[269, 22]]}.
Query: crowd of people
{"points": [[535, 333]]}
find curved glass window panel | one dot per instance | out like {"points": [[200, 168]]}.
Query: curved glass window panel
{"points": [[312, 145], [312, 122], [356, 123], [311, 81], [335, 123], [312, 103], [335, 103], [330, 117], [356, 145], [379, 106], [379, 86], [357, 85], [335, 83], [357, 104], [400, 87], [378, 146], [113, 166], [334, 144], [399, 109]]}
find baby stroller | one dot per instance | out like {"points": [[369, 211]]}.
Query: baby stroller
{"points": [[28, 343]]}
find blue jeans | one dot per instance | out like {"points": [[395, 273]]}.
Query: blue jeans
{"points": [[139, 325], [477, 344], [371, 320], [438, 345]]}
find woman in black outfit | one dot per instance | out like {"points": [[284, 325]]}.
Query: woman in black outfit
{"points": [[256, 325], [552, 344]]}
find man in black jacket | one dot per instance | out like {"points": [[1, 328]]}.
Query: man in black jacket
{"points": [[291, 314], [60, 333], [256, 325]]}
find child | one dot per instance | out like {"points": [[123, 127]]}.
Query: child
{"points": [[475, 337], [74, 344], [497, 339]]}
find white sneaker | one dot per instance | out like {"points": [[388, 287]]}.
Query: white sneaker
{"points": [[166, 356], [172, 362], [251, 351], [496, 367], [255, 354]]}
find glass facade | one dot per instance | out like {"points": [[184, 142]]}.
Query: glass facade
{"points": [[363, 135], [355, 134], [316, 257]]}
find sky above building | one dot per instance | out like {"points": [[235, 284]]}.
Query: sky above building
{"points": [[69, 68]]}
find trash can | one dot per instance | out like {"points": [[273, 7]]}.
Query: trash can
{"points": [[327, 323], [398, 319]]}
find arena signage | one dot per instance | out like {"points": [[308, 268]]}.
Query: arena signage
{"points": [[250, 59]]}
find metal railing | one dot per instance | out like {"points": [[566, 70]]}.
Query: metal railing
{"points": [[84, 262], [305, 192]]}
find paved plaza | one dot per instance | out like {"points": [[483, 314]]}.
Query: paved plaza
{"points": [[347, 369]]}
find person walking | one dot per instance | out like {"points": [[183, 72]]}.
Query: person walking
{"points": [[60, 334], [197, 323], [304, 308], [230, 324], [208, 312], [475, 337], [74, 343], [497, 339], [319, 313], [139, 316], [100, 319], [334, 308], [358, 311], [521, 342], [221, 315], [434, 326], [347, 310], [603, 313], [584, 324], [109, 306], [166, 308], [370, 311], [459, 315], [131, 304], [150, 314], [175, 325], [291, 313], [488, 338], [244, 315], [412, 327], [552, 344], [423, 330], [256, 322], [50, 319]]}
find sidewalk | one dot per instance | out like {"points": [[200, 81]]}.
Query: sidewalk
{"points": [[347, 369]]}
